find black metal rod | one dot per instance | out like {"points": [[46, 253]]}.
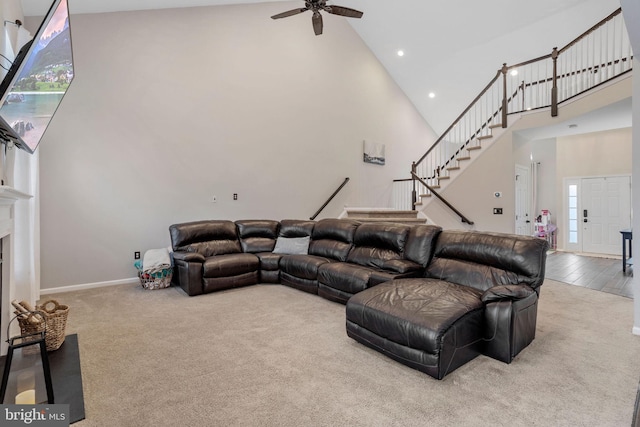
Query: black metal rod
{"points": [[330, 198], [47, 371], [5, 374], [449, 205]]}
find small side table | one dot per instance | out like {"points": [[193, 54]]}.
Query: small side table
{"points": [[627, 236]]}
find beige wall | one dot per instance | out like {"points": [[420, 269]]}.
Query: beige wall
{"points": [[543, 153], [590, 155], [472, 193], [171, 107], [594, 154]]}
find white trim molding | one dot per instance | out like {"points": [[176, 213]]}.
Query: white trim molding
{"points": [[85, 286]]}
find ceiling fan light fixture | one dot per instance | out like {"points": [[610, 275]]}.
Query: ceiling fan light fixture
{"points": [[316, 6]]}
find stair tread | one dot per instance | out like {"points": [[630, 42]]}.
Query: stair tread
{"points": [[399, 220], [474, 147], [480, 138], [366, 210], [495, 125], [453, 168], [463, 158], [380, 213]]}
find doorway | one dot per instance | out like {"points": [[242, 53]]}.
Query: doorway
{"points": [[523, 201], [597, 209]]}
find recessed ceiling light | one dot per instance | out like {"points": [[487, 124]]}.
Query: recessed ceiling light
{"points": [[514, 72], [401, 52], [432, 95]]}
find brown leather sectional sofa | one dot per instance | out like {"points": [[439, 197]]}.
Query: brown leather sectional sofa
{"points": [[428, 298]]}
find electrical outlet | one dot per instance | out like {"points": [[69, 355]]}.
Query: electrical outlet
{"points": [[136, 255], [235, 196], [497, 211]]}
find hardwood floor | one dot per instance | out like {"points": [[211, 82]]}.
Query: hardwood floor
{"points": [[602, 274]]}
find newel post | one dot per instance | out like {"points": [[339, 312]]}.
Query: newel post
{"points": [[554, 89], [504, 95], [414, 195]]}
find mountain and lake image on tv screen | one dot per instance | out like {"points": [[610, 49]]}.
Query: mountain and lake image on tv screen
{"points": [[41, 81]]}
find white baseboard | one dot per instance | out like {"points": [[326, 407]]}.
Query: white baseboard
{"points": [[636, 330], [72, 288]]}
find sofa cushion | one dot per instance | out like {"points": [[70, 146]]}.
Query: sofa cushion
{"points": [[421, 243], [485, 260], [296, 228], [350, 278], [208, 238], [230, 265], [257, 235], [333, 238], [376, 243], [302, 266]]}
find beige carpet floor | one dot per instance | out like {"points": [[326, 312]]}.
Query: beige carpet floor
{"points": [[269, 355]]}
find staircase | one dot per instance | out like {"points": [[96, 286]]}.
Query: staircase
{"points": [[384, 215], [458, 162], [597, 56]]}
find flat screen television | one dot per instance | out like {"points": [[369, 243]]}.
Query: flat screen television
{"points": [[37, 81]]}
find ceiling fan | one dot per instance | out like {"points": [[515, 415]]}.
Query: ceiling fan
{"points": [[316, 6]]}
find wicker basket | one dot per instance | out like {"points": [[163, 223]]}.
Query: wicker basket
{"points": [[155, 278], [31, 325], [54, 325]]}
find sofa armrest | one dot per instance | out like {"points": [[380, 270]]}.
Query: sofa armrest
{"points": [[188, 256], [401, 266], [187, 272], [507, 292], [510, 321]]}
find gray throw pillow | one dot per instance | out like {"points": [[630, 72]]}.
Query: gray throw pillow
{"points": [[292, 245]]}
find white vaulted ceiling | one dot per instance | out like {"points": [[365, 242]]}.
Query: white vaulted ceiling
{"points": [[452, 48]]}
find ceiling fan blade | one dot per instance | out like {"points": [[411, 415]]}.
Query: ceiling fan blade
{"points": [[317, 23], [289, 13], [344, 11]]}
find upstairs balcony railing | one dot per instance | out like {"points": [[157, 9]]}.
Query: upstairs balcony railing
{"points": [[600, 54]]}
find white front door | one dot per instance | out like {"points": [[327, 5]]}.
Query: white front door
{"points": [[523, 201], [606, 209]]}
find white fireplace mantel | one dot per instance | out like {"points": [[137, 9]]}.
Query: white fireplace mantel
{"points": [[8, 197]]}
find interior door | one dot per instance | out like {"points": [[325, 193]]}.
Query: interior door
{"points": [[523, 201], [606, 209]]}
